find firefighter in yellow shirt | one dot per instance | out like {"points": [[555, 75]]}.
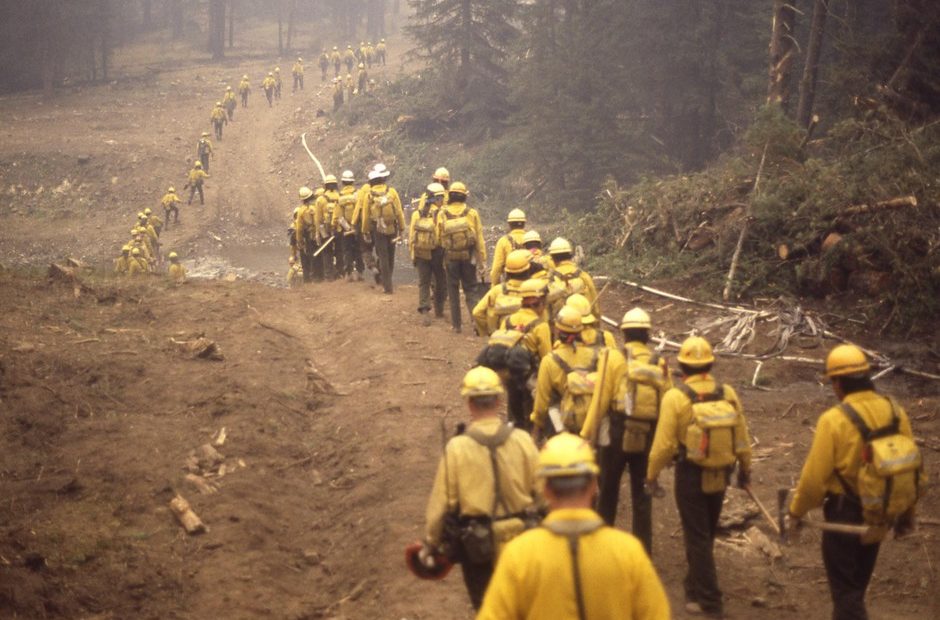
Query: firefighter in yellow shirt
{"points": [[324, 63], [349, 58], [176, 271], [170, 203], [507, 243], [337, 94], [485, 484], [503, 298], [831, 473], [204, 150], [218, 119], [295, 274], [244, 89], [297, 71], [154, 221], [381, 52], [568, 275], [138, 265], [592, 333], [332, 256], [268, 85], [229, 101], [197, 177], [337, 60], [532, 241], [305, 235], [442, 176], [461, 234], [122, 262], [552, 411], [362, 80], [347, 229], [426, 253], [701, 473], [383, 224], [573, 566], [626, 405]]}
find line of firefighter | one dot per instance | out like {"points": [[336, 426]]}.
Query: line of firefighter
{"points": [[863, 467], [142, 255], [363, 56]]}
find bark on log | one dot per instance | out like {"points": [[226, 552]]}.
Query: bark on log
{"points": [[185, 515], [781, 53], [893, 203], [817, 30]]}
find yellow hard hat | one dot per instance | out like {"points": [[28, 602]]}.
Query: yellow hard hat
{"points": [[228, 88], [531, 236], [349, 76], [126, 248], [348, 177], [383, 41], [319, 191], [141, 216], [516, 215], [580, 303], [335, 48], [330, 178], [695, 351], [135, 252], [481, 381], [148, 211], [205, 134], [218, 104], [305, 192], [846, 360], [362, 66], [171, 190], [277, 69], [436, 189], [198, 164], [518, 261], [560, 246], [173, 256], [270, 74], [459, 188], [299, 59], [349, 47], [569, 320], [567, 455], [441, 174], [245, 77], [533, 287], [637, 318]]}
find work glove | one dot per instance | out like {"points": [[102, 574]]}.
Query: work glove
{"points": [[426, 556], [652, 488], [793, 526], [744, 479]]}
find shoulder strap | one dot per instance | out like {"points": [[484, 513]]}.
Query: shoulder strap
{"points": [[573, 532], [492, 442], [697, 397], [863, 429], [532, 325], [561, 363]]}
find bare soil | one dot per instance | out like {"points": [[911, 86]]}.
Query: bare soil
{"points": [[100, 409]]}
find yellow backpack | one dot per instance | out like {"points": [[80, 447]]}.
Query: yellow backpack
{"points": [[457, 236], [507, 302], [347, 207], [381, 211], [639, 395], [889, 479], [710, 439], [424, 231], [576, 400], [572, 281]]}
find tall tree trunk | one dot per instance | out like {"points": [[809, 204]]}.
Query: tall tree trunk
{"points": [[217, 29], [176, 18], [817, 30], [466, 18], [292, 8], [782, 52], [104, 22], [231, 24]]}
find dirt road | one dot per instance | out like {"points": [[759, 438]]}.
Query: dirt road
{"points": [[100, 410]]}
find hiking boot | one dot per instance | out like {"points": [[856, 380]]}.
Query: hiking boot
{"points": [[426, 319]]}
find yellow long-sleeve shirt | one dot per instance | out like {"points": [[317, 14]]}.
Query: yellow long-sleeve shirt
{"points": [[553, 380], [534, 578], [465, 482], [268, 83], [372, 210], [218, 115], [298, 68], [324, 209], [244, 86], [590, 336], [121, 263], [506, 244], [137, 267], [197, 176], [345, 209], [675, 415], [177, 273], [836, 447], [484, 313], [169, 200], [305, 225], [566, 268], [538, 340], [476, 226]]}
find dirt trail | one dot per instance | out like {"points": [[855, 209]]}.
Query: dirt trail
{"points": [[99, 410]]}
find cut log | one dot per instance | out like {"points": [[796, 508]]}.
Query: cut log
{"points": [[831, 240], [893, 203], [201, 484], [185, 515]]}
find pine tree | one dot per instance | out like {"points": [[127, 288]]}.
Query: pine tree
{"points": [[467, 43]]}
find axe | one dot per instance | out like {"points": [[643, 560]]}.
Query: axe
{"points": [[866, 532]]}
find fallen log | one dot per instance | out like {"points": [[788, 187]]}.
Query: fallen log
{"points": [[894, 203], [185, 515]]}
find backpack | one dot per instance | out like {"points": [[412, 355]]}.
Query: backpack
{"points": [[424, 231], [512, 243], [203, 147], [347, 207], [640, 395], [572, 281], [710, 440], [506, 350], [457, 236], [506, 303], [581, 382], [381, 211], [888, 483]]}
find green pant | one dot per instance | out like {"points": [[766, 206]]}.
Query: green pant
{"points": [[461, 273], [385, 254], [431, 271]]}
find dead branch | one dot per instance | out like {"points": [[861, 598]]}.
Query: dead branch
{"points": [[893, 203], [726, 294], [277, 330]]}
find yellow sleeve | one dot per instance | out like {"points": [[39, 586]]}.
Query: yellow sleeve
{"points": [[319, 210], [481, 242], [543, 392], [499, 260], [648, 597], [742, 436], [411, 234], [819, 466], [613, 368], [399, 211], [543, 336], [480, 312], [666, 440], [609, 341], [362, 209], [439, 503], [591, 293]]}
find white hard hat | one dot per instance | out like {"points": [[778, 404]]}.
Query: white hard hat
{"points": [[379, 168], [373, 175]]}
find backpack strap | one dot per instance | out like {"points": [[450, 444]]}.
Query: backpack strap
{"points": [[702, 397], [492, 442], [573, 530], [565, 367]]}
